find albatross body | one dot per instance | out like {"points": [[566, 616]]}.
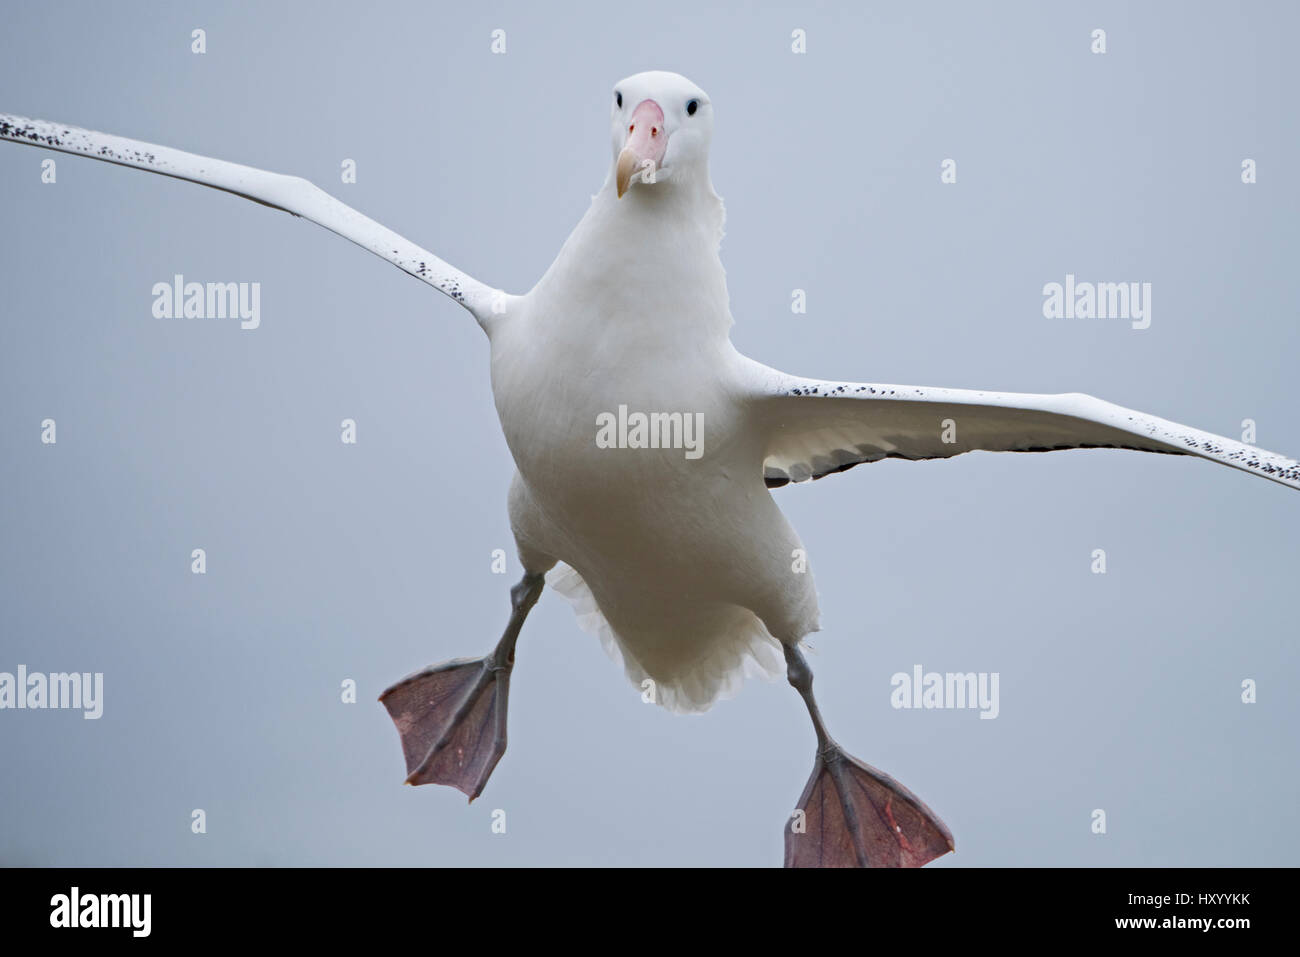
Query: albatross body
{"points": [[679, 559], [666, 536]]}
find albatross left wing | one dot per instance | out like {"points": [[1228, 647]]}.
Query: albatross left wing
{"points": [[289, 193], [813, 428]]}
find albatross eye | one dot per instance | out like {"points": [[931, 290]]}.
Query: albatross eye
{"points": [[618, 99], [692, 106]]}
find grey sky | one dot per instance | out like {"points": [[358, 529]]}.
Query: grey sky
{"points": [[1118, 691]]}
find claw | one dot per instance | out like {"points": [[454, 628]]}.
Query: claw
{"points": [[857, 816], [452, 722]]}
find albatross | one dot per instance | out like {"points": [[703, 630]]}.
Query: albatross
{"points": [[646, 448]]}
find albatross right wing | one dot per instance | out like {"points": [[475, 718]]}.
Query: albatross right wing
{"points": [[813, 428], [289, 193]]}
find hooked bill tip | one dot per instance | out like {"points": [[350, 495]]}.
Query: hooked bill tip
{"points": [[627, 166]]}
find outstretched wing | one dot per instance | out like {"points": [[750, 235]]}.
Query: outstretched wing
{"points": [[289, 193], [813, 428]]}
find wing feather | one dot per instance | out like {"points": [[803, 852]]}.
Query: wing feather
{"points": [[289, 193], [814, 428]]}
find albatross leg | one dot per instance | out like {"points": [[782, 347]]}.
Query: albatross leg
{"points": [[452, 716], [852, 814]]}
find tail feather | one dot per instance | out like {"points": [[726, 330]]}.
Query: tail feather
{"points": [[741, 649]]}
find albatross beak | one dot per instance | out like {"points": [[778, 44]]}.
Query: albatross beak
{"points": [[644, 148]]}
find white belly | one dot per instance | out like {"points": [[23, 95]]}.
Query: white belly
{"points": [[684, 565]]}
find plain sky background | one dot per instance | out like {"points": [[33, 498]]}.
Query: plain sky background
{"points": [[325, 562]]}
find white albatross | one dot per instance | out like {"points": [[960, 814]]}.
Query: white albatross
{"points": [[672, 549]]}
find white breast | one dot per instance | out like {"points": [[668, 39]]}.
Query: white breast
{"points": [[672, 555]]}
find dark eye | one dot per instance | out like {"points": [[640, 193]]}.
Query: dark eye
{"points": [[692, 106], [618, 99]]}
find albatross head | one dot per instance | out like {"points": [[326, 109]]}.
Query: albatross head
{"points": [[661, 125]]}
